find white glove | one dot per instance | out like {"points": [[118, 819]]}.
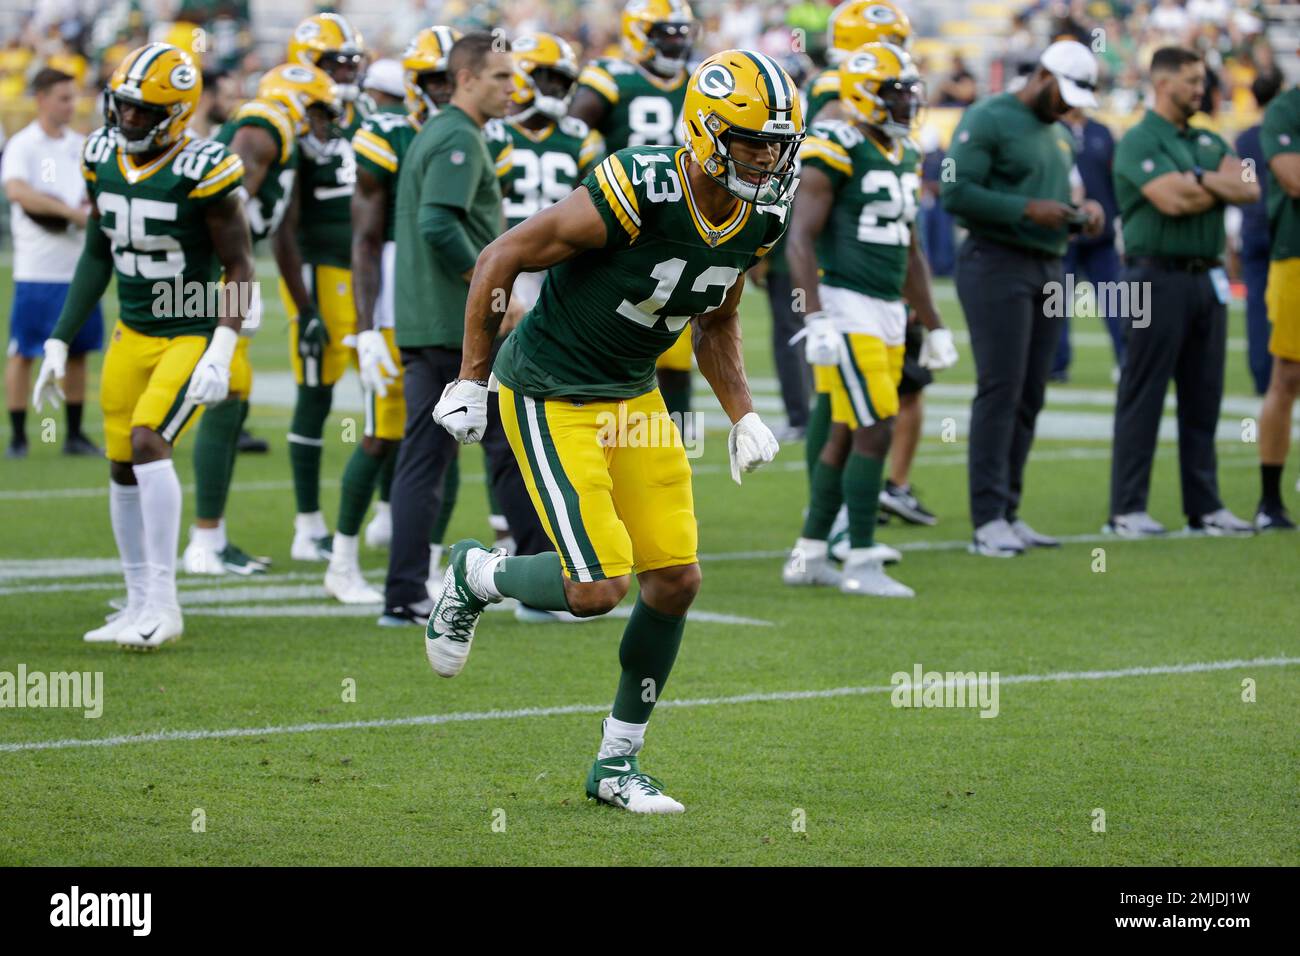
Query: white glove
{"points": [[377, 365], [51, 374], [462, 410], [822, 340], [750, 444], [210, 381], [938, 351]]}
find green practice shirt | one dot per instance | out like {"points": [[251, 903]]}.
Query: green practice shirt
{"points": [[447, 165], [1002, 155], [1149, 150]]}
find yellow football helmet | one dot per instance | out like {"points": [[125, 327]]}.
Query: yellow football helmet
{"points": [[535, 52], [427, 53], [865, 21], [296, 87], [746, 95], [160, 78], [657, 34], [880, 86], [328, 41]]}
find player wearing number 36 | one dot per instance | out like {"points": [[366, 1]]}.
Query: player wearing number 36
{"points": [[656, 237]]}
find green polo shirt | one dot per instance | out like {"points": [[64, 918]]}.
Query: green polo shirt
{"points": [[447, 165], [1280, 133], [1002, 156], [1149, 150]]}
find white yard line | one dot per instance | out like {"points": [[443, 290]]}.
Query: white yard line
{"points": [[527, 712]]}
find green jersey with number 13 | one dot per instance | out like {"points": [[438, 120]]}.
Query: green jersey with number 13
{"points": [[605, 315]]}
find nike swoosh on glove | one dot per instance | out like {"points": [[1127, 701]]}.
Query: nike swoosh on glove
{"points": [[938, 351], [53, 368], [462, 410], [312, 336], [750, 444], [377, 365], [210, 380]]}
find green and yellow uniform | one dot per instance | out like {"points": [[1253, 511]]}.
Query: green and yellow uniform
{"points": [[380, 145], [862, 253], [546, 165], [153, 214], [584, 359], [1279, 134]]}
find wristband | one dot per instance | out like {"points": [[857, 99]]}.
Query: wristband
{"points": [[222, 345]]}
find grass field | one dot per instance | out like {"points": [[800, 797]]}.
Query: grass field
{"points": [[253, 738]]}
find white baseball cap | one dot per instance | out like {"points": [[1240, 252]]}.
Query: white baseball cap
{"points": [[1075, 69], [385, 76]]}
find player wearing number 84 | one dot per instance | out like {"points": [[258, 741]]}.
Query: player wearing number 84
{"points": [[654, 238]]}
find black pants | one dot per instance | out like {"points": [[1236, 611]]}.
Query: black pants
{"points": [[1004, 292], [1186, 341], [791, 369], [426, 451]]}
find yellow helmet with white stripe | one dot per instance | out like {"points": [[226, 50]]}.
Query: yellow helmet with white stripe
{"points": [[427, 54], [297, 87], [657, 34], [738, 94], [543, 59], [865, 21], [880, 86], [161, 79], [328, 41]]}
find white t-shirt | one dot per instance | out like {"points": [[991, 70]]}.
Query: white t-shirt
{"points": [[50, 166]]}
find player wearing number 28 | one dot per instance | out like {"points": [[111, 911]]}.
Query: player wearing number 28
{"points": [[165, 208], [654, 237]]}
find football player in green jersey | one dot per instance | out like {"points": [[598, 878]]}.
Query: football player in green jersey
{"points": [[854, 254], [852, 25], [637, 101], [290, 98], [167, 219], [658, 238], [315, 252]]}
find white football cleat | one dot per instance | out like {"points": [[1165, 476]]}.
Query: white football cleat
{"points": [[347, 585], [379, 532], [153, 628], [882, 553], [620, 782], [809, 566], [866, 576], [312, 540], [113, 625], [450, 630]]}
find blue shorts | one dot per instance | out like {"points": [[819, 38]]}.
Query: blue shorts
{"points": [[36, 310]]}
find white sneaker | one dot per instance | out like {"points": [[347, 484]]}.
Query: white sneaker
{"points": [[1136, 524], [1223, 524], [153, 628], [866, 576], [113, 625], [995, 539], [1031, 538], [379, 532], [450, 632], [620, 782], [349, 587], [809, 566]]}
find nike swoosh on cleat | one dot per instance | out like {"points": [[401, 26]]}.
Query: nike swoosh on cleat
{"points": [[626, 766], [151, 633]]}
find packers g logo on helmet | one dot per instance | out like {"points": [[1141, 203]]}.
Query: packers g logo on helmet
{"points": [[296, 87], [162, 79], [657, 34], [535, 55], [427, 53], [325, 39], [880, 86], [740, 95], [859, 22]]}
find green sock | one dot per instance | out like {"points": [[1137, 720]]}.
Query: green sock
{"points": [[386, 473], [533, 579], [305, 443], [650, 643], [450, 491], [862, 477], [214, 456], [824, 502], [819, 427], [358, 485], [675, 387]]}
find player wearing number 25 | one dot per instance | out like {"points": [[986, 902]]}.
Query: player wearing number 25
{"points": [[165, 207], [654, 237]]}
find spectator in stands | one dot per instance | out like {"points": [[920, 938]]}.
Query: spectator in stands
{"points": [[41, 173], [958, 87], [1255, 240]]}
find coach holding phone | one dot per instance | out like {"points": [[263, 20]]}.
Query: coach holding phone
{"points": [[1173, 181], [1010, 169]]}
